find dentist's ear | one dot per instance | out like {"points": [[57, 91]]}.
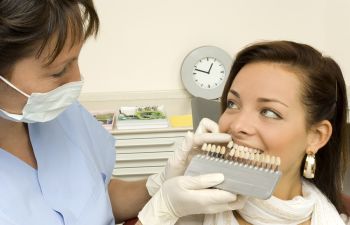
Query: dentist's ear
{"points": [[319, 135]]}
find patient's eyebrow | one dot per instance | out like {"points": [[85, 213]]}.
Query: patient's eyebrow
{"points": [[235, 93], [272, 100]]}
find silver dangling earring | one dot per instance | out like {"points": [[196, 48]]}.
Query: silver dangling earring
{"points": [[310, 166]]}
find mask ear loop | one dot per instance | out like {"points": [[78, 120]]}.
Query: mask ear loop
{"points": [[13, 86]]}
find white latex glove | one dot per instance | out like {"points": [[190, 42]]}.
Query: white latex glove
{"points": [[185, 195], [207, 132]]}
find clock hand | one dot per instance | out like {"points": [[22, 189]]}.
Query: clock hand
{"points": [[202, 71], [210, 67]]}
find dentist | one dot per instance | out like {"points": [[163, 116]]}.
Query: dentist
{"points": [[56, 160]]}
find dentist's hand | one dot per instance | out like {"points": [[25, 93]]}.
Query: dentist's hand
{"points": [[207, 132], [185, 195]]}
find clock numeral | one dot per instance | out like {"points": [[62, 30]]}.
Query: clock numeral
{"points": [[208, 85], [222, 71], [216, 84]]}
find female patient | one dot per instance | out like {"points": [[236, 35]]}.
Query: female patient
{"points": [[289, 100]]}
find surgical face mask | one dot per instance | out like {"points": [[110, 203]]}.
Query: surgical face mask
{"points": [[43, 107]]}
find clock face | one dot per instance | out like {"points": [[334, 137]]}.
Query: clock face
{"points": [[204, 71], [208, 73]]}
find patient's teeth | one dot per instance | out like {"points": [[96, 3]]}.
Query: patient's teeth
{"points": [[230, 144]]}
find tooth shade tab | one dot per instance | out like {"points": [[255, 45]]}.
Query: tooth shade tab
{"points": [[230, 144], [246, 154], [243, 155], [218, 148], [232, 152], [204, 147], [212, 150], [237, 153], [278, 161], [208, 148], [223, 150]]}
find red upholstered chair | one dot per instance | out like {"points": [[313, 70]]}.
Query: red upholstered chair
{"points": [[131, 221], [346, 201], [346, 191]]}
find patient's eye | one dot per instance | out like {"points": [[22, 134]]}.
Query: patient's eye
{"points": [[231, 105], [270, 114]]}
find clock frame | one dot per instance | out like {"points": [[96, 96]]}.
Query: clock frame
{"points": [[204, 71]]}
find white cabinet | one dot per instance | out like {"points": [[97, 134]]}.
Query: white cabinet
{"points": [[140, 153]]}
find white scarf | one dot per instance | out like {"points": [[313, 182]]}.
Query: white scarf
{"points": [[273, 211]]}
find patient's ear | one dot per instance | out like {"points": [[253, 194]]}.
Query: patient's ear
{"points": [[319, 135]]}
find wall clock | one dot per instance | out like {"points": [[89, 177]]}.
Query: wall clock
{"points": [[204, 71]]}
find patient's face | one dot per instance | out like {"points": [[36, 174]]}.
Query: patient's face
{"points": [[264, 111]]}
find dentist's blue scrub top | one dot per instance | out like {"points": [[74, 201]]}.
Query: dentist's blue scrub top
{"points": [[75, 157]]}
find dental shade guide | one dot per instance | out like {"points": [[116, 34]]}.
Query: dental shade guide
{"points": [[247, 171]]}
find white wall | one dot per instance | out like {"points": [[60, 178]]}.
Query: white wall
{"points": [[337, 33], [142, 43]]}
